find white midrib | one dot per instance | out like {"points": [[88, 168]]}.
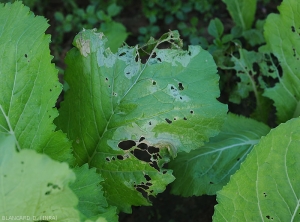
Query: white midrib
{"points": [[11, 131]]}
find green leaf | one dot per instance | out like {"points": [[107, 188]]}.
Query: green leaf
{"points": [[131, 117], [242, 12], [207, 169], [244, 67], [49, 195], [115, 33], [215, 28], [254, 37], [29, 83], [92, 203], [267, 185], [283, 41], [113, 9]]}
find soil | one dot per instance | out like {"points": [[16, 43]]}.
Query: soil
{"points": [[171, 208]]}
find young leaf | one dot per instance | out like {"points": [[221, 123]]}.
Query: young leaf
{"points": [[207, 169], [29, 83], [242, 12], [215, 28], [127, 118], [267, 185], [283, 41], [48, 195]]}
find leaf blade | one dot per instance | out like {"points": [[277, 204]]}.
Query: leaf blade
{"points": [[25, 72], [266, 186], [146, 106], [207, 169]]}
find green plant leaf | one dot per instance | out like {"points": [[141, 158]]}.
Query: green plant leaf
{"points": [[207, 169], [267, 185], [131, 117], [242, 12], [92, 203], [29, 83], [215, 28], [49, 195], [244, 67], [115, 33], [283, 42]]}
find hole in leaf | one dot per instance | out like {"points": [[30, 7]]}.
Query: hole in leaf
{"points": [[184, 118], [159, 59], [141, 139], [122, 54], [172, 87], [142, 191], [48, 192], [192, 111], [168, 121], [113, 158], [147, 177], [211, 182], [106, 79], [120, 157], [26, 56], [150, 123], [180, 86], [126, 145], [142, 155], [143, 146], [175, 119], [154, 165], [149, 184], [152, 149], [293, 30], [164, 172], [238, 159], [107, 159], [153, 83]]}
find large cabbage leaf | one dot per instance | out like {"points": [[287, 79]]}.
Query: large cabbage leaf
{"points": [[128, 118], [208, 169], [282, 33], [266, 187], [29, 83]]}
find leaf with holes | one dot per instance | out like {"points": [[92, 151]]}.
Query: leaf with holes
{"points": [[128, 118], [49, 195], [266, 187], [283, 41], [29, 83], [208, 169]]}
